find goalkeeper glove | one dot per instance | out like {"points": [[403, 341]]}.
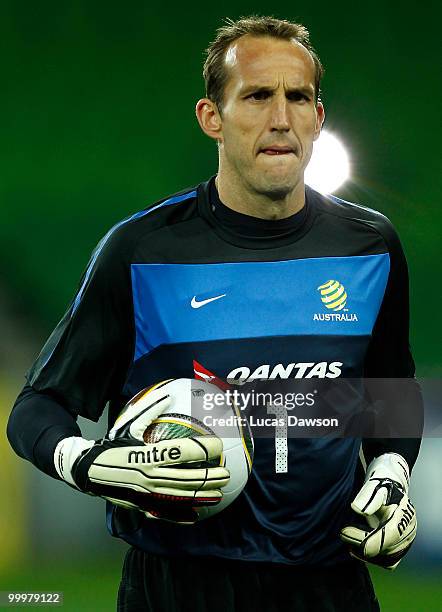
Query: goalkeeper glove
{"points": [[390, 516], [167, 479]]}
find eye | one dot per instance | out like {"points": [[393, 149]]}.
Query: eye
{"points": [[297, 96], [259, 95]]}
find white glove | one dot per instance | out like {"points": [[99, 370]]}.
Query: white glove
{"points": [[389, 514], [167, 479]]}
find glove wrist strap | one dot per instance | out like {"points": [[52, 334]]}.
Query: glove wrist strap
{"points": [[393, 466], [66, 453]]}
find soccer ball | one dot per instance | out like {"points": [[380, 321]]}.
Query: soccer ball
{"points": [[187, 416]]}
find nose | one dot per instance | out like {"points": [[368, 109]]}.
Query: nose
{"points": [[280, 114]]}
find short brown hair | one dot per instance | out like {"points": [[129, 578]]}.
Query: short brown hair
{"points": [[214, 71]]}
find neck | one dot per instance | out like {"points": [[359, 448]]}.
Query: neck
{"points": [[242, 198]]}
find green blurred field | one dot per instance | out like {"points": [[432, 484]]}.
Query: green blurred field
{"points": [[404, 591], [94, 587], [89, 587]]}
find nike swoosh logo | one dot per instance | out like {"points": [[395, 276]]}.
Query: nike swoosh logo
{"points": [[195, 304]]}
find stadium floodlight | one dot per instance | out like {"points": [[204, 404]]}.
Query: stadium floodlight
{"points": [[329, 166]]}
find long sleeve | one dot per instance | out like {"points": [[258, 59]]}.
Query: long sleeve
{"points": [[83, 364], [36, 424], [390, 362]]}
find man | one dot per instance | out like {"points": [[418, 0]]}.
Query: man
{"points": [[224, 278]]}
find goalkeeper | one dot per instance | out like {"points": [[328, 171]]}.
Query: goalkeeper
{"points": [[223, 278]]}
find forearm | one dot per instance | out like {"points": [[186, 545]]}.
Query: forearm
{"points": [[400, 419], [36, 424]]}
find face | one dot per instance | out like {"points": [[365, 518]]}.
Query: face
{"points": [[269, 117]]}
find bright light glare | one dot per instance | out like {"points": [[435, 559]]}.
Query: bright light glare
{"points": [[329, 166]]}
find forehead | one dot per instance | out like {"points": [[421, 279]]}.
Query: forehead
{"points": [[266, 59]]}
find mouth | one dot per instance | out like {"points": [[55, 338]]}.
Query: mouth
{"points": [[275, 150]]}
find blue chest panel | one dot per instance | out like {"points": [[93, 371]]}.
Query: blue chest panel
{"points": [[182, 303]]}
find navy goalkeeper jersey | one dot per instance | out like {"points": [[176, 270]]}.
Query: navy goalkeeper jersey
{"points": [[180, 289]]}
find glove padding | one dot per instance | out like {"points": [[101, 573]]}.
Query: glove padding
{"points": [[167, 479], [390, 526]]}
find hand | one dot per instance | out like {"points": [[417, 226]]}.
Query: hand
{"points": [[390, 526], [167, 479]]}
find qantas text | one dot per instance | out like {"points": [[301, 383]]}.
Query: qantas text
{"points": [[323, 369]]}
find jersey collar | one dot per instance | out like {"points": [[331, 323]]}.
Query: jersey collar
{"points": [[250, 232]]}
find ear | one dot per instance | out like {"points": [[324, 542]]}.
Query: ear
{"points": [[320, 116], [209, 118]]}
